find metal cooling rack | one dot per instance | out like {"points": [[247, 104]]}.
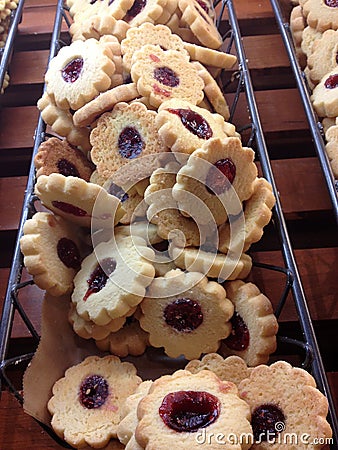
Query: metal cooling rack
{"points": [[312, 360]]}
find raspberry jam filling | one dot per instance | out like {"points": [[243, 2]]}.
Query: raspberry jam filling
{"points": [[240, 336], [332, 81], [67, 168], [331, 3], [130, 143], [99, 276], [193, 122], [93, 392], [137, 7], [220, 175], [166, 76], [267, 421], [118, 192], [187, 411], [68, 253], [69, 208], [203, 5], [72, 70], [183, 314]]}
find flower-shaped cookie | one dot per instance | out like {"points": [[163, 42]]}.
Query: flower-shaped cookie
{"points": [[331, 147], [86, 402], [186, 314], [284, 401], [323, 56], [321, 14], [145, 11], [325, 95], [113, 279], [82, 9]]}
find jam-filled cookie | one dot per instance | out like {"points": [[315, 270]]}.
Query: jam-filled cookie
{"points": [[325, 95], [321, 14], [278, 396], [180, 409], [52, 252], [254, 326], [81, 9], [323, 57], [113, 279], [164, 74], [86, 403], [145, 11], [186, 314]]}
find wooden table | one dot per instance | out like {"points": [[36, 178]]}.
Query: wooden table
{"points": [[299, 178]]}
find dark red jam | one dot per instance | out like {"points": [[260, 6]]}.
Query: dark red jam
{"points": [[193, 122], [72, 70], [69, 208], [332, 81], [187, 411], [220, 175], [137, 7], [267, 421], [331, 3], [67, 168], [240, 336], [99, 276], [118, 192], [203, 5], [183, 314], [68, 253], [130, 143], [94, 391], [166, 76], [337, 57]]}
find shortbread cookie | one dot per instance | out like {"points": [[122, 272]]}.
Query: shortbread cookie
{"points": [[212, 264], [126, 133], [78, 73], [135, 207], [186, 314], [163, 210], [98, 26], [220, 174], [254, 326], [85, 204], [112, 279], [297, 25], [61, 122], [257, 214], [181, 29], [210, 57], [184, 127], [323, 58], [145, 230], [309, 37], [170, 418], [80, 9], [113, 44], [86, 402], [52, 252], [148, 33], [145, 11], [164, 74], [58, 156], [321, 14], [5, 83], [325, 95], [233, 368], [278, 396], [331, 147], [200, 23]]}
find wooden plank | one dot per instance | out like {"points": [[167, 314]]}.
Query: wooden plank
{"points": [[11, 197], [28, 67]]}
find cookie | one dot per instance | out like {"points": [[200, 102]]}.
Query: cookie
{"points": [[98, 26], [52, 252], [210, 57], [254, 326], [331, 147], [323, 57], [168, 416], [78, 73], [81, 9], [61, 122], [257, 214], [325, 95], [200, 23], [278, 395], [114, 46], [85, 204], [86, 403], [184, 127], [320, 14], [148, 33], [113, 279], [58, 156], [297, 25], [233, 368], [145, 230], [164, 74], [127, 133], [186, 314], [309, 37], [145, 11], [219, 175]]}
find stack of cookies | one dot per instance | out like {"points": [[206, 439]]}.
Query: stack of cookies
{"points": [[6, 8]]}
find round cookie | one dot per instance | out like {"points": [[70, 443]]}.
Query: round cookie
{"points": [[190, 319], [321, 14], [325, 95], [323, 58], [51, 249], [86, 403], [254, 326], [278, 395], [168, 416], [164, 74]]}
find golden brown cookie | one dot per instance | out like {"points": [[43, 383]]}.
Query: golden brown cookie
{"points": [[323, 57], [145, 11], [331, 147], [210, 57], [325, 95], [321, 14], [297, 25], [309, 37]]}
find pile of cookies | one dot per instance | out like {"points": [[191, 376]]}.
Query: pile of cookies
{"points": [[314, 27], [6, 8]]}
